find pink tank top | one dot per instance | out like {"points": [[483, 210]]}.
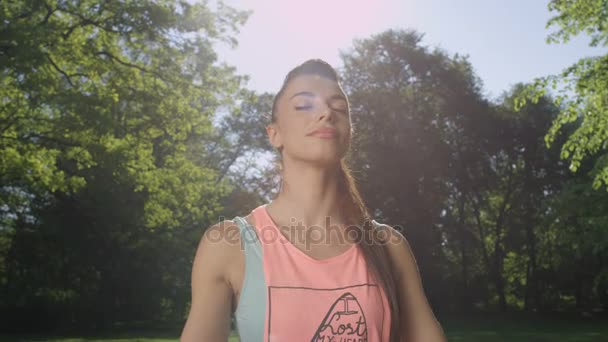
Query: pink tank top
{"points": [[334, 299]]}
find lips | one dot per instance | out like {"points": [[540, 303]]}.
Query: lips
{"points": [[325, 131]]}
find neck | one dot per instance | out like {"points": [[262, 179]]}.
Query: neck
{"points": [[309, 196]]}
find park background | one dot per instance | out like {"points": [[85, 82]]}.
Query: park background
{"points": [[129, 127]]}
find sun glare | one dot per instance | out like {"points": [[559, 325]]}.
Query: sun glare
{"points": [[329, 21], [282, 33]]}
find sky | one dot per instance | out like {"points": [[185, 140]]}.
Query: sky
{"points": [[505, 40]]}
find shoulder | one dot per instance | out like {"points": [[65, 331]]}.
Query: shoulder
{"points": [[212, 293], [387, 229], [224, 237], [220, 235], [398, 248], [418, 322], [219, 248], [389, 234]]}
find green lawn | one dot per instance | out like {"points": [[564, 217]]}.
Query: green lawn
{"points": [[518, 327], [525, 327], [142, 337]]}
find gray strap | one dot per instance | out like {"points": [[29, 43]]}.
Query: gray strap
{"points": [[251, 309], [249, 238]]}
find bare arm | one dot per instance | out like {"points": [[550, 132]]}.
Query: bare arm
{"points": [[209, 317], [417, 321]]}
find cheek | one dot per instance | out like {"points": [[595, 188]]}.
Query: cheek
{"points": [[295, 125], [293, 132]]}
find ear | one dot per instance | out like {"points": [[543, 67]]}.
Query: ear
{"points": [[274, 136]]}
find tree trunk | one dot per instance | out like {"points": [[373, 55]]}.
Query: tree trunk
{"points": [[466, 298]]}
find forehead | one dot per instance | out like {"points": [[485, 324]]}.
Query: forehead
{"points": [[314, 84]]}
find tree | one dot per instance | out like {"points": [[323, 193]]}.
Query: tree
{"points": [[106, 111], [583, 87], [84, 81], [409, 103]]}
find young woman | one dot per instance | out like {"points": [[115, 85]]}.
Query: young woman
{"points": [[311, 265]]}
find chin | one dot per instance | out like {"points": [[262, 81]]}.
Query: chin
{"points": [[320, 154], [326, 159]]}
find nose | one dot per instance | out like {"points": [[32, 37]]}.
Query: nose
{"points": [[326, 113]]}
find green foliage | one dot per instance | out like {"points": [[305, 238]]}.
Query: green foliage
{"points": [[127, 86], [579, 16], [582, 88], [106, 112]]}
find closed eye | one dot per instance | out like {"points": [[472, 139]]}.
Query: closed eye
{"points": [[340, 110], [338, 104], [303, 107]]}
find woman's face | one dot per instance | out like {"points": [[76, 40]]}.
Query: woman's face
{"points": [[310, 102]]}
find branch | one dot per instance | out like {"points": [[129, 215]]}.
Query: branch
{"points": [[49, 12], [234, 157], [10, 121], [108, 54], [67, 77], [42, 137], [85, 22]]}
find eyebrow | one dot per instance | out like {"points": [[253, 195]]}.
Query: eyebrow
{"points": [[303, 93], [311, 94]]}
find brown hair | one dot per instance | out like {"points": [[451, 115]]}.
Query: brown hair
{"points": [[353, 207]]}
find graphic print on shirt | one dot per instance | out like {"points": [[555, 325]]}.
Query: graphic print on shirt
{"points": [[344, 321], [325, 314]]}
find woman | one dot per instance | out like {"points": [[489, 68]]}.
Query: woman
{"points": [[284, 270]]}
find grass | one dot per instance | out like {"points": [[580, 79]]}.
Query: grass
{"points": [[121, 337], [525, 327], [470, 328]]}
